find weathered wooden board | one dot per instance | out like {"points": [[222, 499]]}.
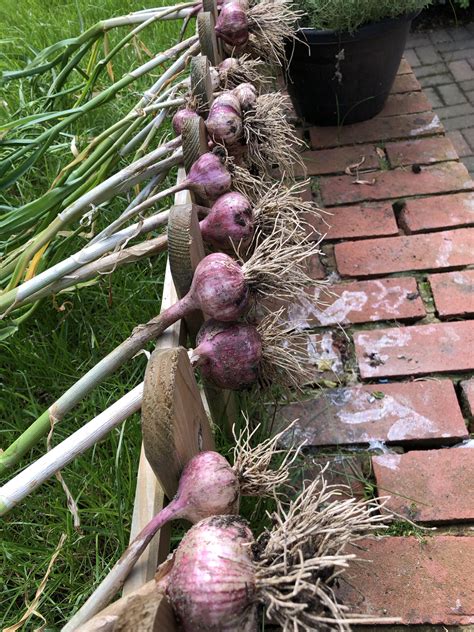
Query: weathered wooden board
{"points": [[175, 425], [194, 143], [185, 251], [149, 495], [201, 84], [207, 37], [145, 610]]}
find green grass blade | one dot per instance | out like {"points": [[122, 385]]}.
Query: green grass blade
{"points": [[33, 119], [21, 218], [72, 64], [38, 65], [14, 174]]}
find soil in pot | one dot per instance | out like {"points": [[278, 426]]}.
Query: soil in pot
{"points": [[339, 78]]}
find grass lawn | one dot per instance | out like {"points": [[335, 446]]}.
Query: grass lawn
{"points": [[61, 340]]}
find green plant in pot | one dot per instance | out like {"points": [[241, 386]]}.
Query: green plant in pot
{"points": [[345, 58]]}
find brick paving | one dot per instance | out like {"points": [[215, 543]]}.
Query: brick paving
{"points": [[400, 413], [452, 293], [419, 350], [425, 251], [468, 395], [391, 333], [426, 214], [443, 62], [358, 302], [425, 580], [382, 185], [417, 494], [352, 222]]}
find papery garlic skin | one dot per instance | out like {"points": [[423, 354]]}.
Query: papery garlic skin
{"points": [[181, 116], [230, 223], [208, 177], [208, 486], [228, 354], [219, 287], [232, 24], [247, 95], [212, 585], [224, 123]]}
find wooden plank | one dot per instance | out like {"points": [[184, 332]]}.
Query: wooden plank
{"points": [[149, 495], [194, 143], [222, 406], [145, 609], [201, 84], [182, 197], [185, 251], [211, 6], [174, 423], [185, 245], [207, 37], [149, 500]]}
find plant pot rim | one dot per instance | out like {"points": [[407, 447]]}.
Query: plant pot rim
{"points": [[366, 30]]}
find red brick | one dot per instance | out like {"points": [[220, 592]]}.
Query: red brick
{"points": [[338, 159], [429, 486], [467, 388], [307, 194], [425, 251], [384, 185], [378, 129], [358, 302], [425, 580], [404, 68], [453, 292], [423, 412], [405, 83], [417, 350], [315, 268], [350, 222], [407, 103], [442, 211], [423, 151]]}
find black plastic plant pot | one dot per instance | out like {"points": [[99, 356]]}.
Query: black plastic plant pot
{"points": [[338, 78]]}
